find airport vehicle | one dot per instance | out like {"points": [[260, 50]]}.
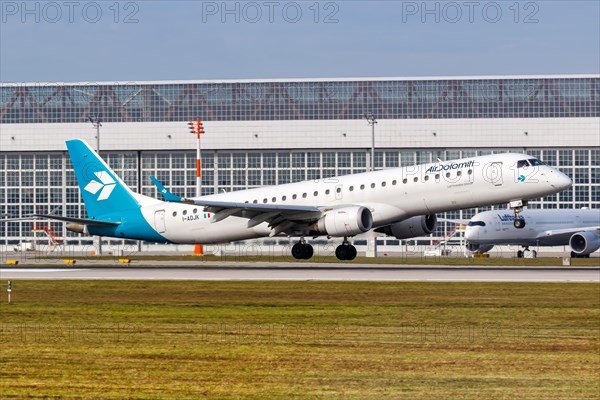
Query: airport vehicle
{"points": [[577, 228], [25, 245], [401, 202]]}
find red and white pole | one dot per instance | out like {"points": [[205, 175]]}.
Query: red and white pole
{"points": [[197, 128]]}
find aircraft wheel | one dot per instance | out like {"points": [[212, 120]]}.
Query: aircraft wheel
{"points": [[307, 251], [341, 252], [351, 253], [298, 251], [520, 254], [519, 223], [534, 253]]}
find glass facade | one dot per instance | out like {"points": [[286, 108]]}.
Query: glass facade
{"points": [[43, 182], [302, 100]]}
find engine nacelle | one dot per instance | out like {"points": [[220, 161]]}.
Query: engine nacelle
{"points": [[346, 221], [77, 228], [584, 242], [420, 225], [479, 248]]}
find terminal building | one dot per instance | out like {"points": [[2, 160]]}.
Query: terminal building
{"points": [[276, 131]]}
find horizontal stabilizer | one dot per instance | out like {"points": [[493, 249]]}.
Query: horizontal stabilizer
{"points": [[85, 221]]}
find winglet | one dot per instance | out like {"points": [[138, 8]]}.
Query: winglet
{"points": [[167, 195]]}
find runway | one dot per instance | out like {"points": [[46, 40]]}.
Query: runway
{"points": [[323, 273]]}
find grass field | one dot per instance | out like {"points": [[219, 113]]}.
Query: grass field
{"points": [[301, 340]]}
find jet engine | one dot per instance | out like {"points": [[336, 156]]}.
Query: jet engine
{"points": [[346, 221], [479, 248], [584, 243], [77, 228], [415, 226]]}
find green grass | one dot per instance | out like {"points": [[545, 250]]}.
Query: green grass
{"points": [[301, 340]]}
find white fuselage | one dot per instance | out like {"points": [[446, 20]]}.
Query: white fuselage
{"points": [[543, 227], [391, 195]]}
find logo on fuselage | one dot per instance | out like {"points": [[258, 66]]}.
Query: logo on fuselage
{"points": [[450, 166], [105, 186]]}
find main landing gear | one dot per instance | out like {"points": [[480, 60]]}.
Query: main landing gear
{"points": [[302, 250], [523, 253], [345, 251]]}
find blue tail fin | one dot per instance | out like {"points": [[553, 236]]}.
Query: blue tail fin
{"points": [[103, 192]]}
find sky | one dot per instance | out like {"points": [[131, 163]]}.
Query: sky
{"points": [[109, 41]]}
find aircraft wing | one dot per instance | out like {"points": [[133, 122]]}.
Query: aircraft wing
{"points": [[565, 234], [279, 217]]}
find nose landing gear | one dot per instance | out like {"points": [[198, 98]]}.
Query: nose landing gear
{"points": [[519, 221]]}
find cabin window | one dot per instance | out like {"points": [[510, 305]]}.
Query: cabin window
{"points": [[351, 188], [338, 190], [174, 213], [372, 185], [416, 179], [327, 191], [362, 187], [295, 196], [255, 201], [383, 184], [447, 174], [470, 172], [315, 193], [404, 180], [458, 173], [195, 211], [265, 201], [394, 182], [274, 199], [426, 178], [437, 177], [303, 195], [184, 212], [283, 198]]}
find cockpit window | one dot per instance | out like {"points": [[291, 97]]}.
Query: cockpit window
{"points": [[476, 223], [528, 163], [535, 162]]}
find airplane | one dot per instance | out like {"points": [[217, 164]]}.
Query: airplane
{"points": [[577, 228], [400, 202]]}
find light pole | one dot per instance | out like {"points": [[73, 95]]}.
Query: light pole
{"points": [[372, 121], [196, 128], [372, 240], [97, 123]]}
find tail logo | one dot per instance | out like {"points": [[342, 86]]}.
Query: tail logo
{"points": [[105, 186]]}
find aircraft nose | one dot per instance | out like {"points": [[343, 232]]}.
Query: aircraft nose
{"points": [[561, 181], [469, 233]]}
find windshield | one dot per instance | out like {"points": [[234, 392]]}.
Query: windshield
{"points": [[535, 162], [528, 163], [476, 223]]}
